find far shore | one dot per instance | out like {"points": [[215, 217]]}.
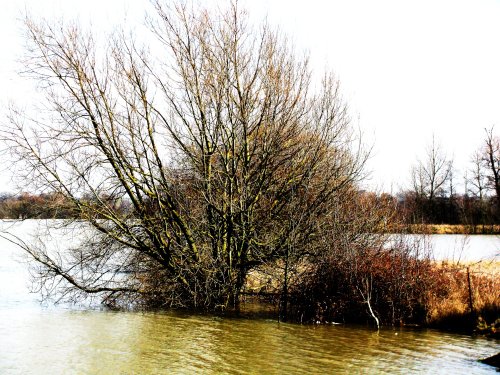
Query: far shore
{"points": [[449, 229]]}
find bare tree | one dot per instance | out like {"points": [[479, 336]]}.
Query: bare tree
{"points": [[485, 176], [430, 175], [477, 180], [491, 160], [218, 142]]}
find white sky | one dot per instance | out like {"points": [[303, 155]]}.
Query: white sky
{"points": [[409, 69]]}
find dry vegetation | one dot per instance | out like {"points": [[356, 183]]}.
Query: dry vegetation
{"points": [[435, 294], [452, 305], [449, 229]]}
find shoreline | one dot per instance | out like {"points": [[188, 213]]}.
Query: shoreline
{"points": [[448, 229]]}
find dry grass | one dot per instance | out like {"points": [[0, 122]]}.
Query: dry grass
{"points": [[449, 303], [451, 229]]}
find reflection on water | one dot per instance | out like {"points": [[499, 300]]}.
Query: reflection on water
{"points": [[58, 340]]}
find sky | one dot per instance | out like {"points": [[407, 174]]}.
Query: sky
{"points": [[409, 70]]}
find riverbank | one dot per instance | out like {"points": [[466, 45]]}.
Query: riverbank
{"points": [[448, 229], [466, 298]]}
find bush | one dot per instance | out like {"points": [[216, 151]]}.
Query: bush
{"points": [[392, 282]]}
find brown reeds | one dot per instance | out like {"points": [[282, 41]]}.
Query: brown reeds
{"points": [[464, 296]]}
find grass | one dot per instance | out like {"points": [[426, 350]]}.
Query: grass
{"points": [[451, 229], [449, 305]]}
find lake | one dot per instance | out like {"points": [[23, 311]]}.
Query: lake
{"points": [[47, 339]]}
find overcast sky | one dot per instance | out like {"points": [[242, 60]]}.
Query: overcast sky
{"points": [[409, 69]]}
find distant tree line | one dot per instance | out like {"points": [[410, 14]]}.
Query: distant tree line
{"points": [[433, 197], [47, 206], [31, 206], [458, 209]]}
